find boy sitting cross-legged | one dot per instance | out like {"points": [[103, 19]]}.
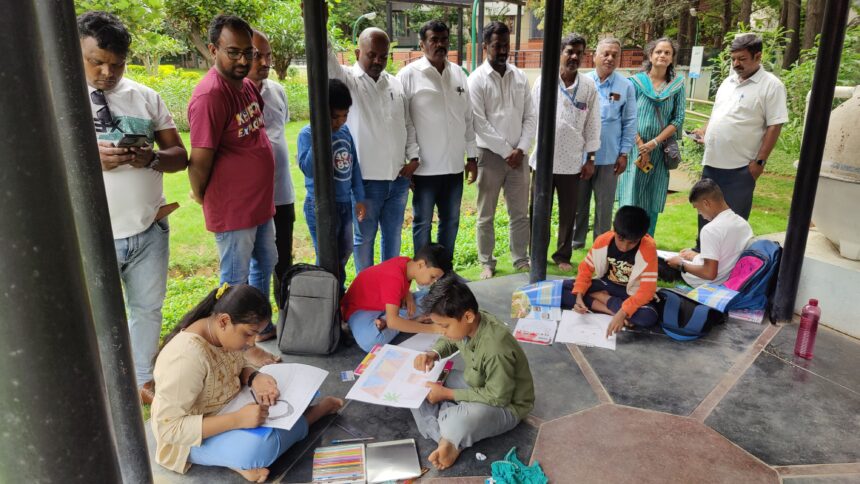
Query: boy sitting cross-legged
{"points": [[619, 274], [372, 305], [493, 394]]}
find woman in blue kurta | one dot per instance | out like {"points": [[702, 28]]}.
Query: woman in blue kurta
{"points": [[657, 87]]}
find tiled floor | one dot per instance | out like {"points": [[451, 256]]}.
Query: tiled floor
{"points": [[725, 408]]}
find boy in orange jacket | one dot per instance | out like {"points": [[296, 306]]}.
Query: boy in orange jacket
{"points": [[619, 274]]}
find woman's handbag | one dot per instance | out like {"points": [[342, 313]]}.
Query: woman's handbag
{"points": [[670, 146]]}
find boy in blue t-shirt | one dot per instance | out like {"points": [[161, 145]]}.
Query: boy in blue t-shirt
{"points": [[348, 185]]}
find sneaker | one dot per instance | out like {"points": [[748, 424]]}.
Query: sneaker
{"points": [[486, 273]]}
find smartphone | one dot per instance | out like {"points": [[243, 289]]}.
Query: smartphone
{"points": [[133, 141]]}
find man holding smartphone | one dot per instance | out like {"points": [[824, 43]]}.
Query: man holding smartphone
{"points": [[122, 111]]}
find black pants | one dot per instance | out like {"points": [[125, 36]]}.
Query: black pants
{"points": [[285, 217]]}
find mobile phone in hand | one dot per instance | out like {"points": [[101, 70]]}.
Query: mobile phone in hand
{"points": [[133, 141]]}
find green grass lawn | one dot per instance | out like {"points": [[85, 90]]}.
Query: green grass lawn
{"points": [[194, 258]]}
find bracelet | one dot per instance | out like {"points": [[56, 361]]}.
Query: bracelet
{"points": [[655, 143], [252, 376]]}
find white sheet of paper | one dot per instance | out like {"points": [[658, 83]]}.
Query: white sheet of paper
{"points": [[421, 341], [585, 329], [391, 380], [539, 331], [665, 254], [298, 384]]}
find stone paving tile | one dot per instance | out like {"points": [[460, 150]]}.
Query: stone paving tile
{"points": [[786, 415], [618, 444], [387, 423], [837, 356], [845, 479], [652, 371], [559, 384]]}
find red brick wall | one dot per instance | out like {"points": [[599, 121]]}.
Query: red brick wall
{"points": [[525, 58]]}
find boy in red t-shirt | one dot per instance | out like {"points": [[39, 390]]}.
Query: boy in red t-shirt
{"points": [[372, 304]]}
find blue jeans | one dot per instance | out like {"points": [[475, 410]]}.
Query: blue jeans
{"points": [[363, 327], [343, 232], [443, 192], [248, 256], [142, 261], [385, 202], [247, 448]]}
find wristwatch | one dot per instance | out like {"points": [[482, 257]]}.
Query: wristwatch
{"points": [[682, 268], [761, 163]]}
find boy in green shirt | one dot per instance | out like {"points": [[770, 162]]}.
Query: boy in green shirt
{"points": [[493, 394]]}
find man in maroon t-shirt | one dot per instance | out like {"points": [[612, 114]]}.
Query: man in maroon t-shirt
{"points": [[232, 166], [372, 305]]}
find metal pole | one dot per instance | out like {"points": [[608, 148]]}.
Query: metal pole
{"points": [[389, 21], [519, 25], [811, 152], [545, 140], [316, 51], [61, 60], [56, 424], [460, 36], [480, 31]]}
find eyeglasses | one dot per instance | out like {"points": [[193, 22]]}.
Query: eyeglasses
{"points": [[266, 57], [234, 54], [107, 123]]}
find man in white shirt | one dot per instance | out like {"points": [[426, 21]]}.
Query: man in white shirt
{"points": [[378, 120], [276, 114], [133, 180], [505, 122], [749, 111], [577, 138], [723, 238], [437, 97]]}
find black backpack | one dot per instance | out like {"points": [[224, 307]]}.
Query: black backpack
{"points": [[309, 323], [683, 318]]}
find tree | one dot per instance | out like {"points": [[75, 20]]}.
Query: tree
{"points": [[595, 18], [145, 21], [283, 25], [813, 23], [745, 12], [344, 13], [192, 17], [792, 24]]}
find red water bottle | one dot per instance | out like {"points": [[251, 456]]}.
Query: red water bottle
{"points": [[808, 327]]}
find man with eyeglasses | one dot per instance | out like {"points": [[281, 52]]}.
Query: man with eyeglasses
{"points": [[133, 180], [232, 167], [276, 114], [378, 120]]}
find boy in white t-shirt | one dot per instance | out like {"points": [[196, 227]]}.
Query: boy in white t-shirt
{"points": [[723, 238], [133, 180]]}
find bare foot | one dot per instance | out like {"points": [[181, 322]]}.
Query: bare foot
{"points": [[266, 336], [444, 455], [259, 357], [254, 475], [565, 266], [326, 406], [486, 273]]}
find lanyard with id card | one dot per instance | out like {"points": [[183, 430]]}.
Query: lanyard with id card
{"points": [[572, 97]]}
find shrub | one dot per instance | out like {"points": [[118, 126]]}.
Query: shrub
{"points": [[296, 87], [175, 86]]}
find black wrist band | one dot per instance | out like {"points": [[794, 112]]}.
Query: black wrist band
{"points": [[252, 376]]}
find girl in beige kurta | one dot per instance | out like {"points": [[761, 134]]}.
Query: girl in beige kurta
{"points": [[200, 369]]}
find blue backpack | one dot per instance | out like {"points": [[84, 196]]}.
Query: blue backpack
{"points": [[754, 275], [683, 318]]}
